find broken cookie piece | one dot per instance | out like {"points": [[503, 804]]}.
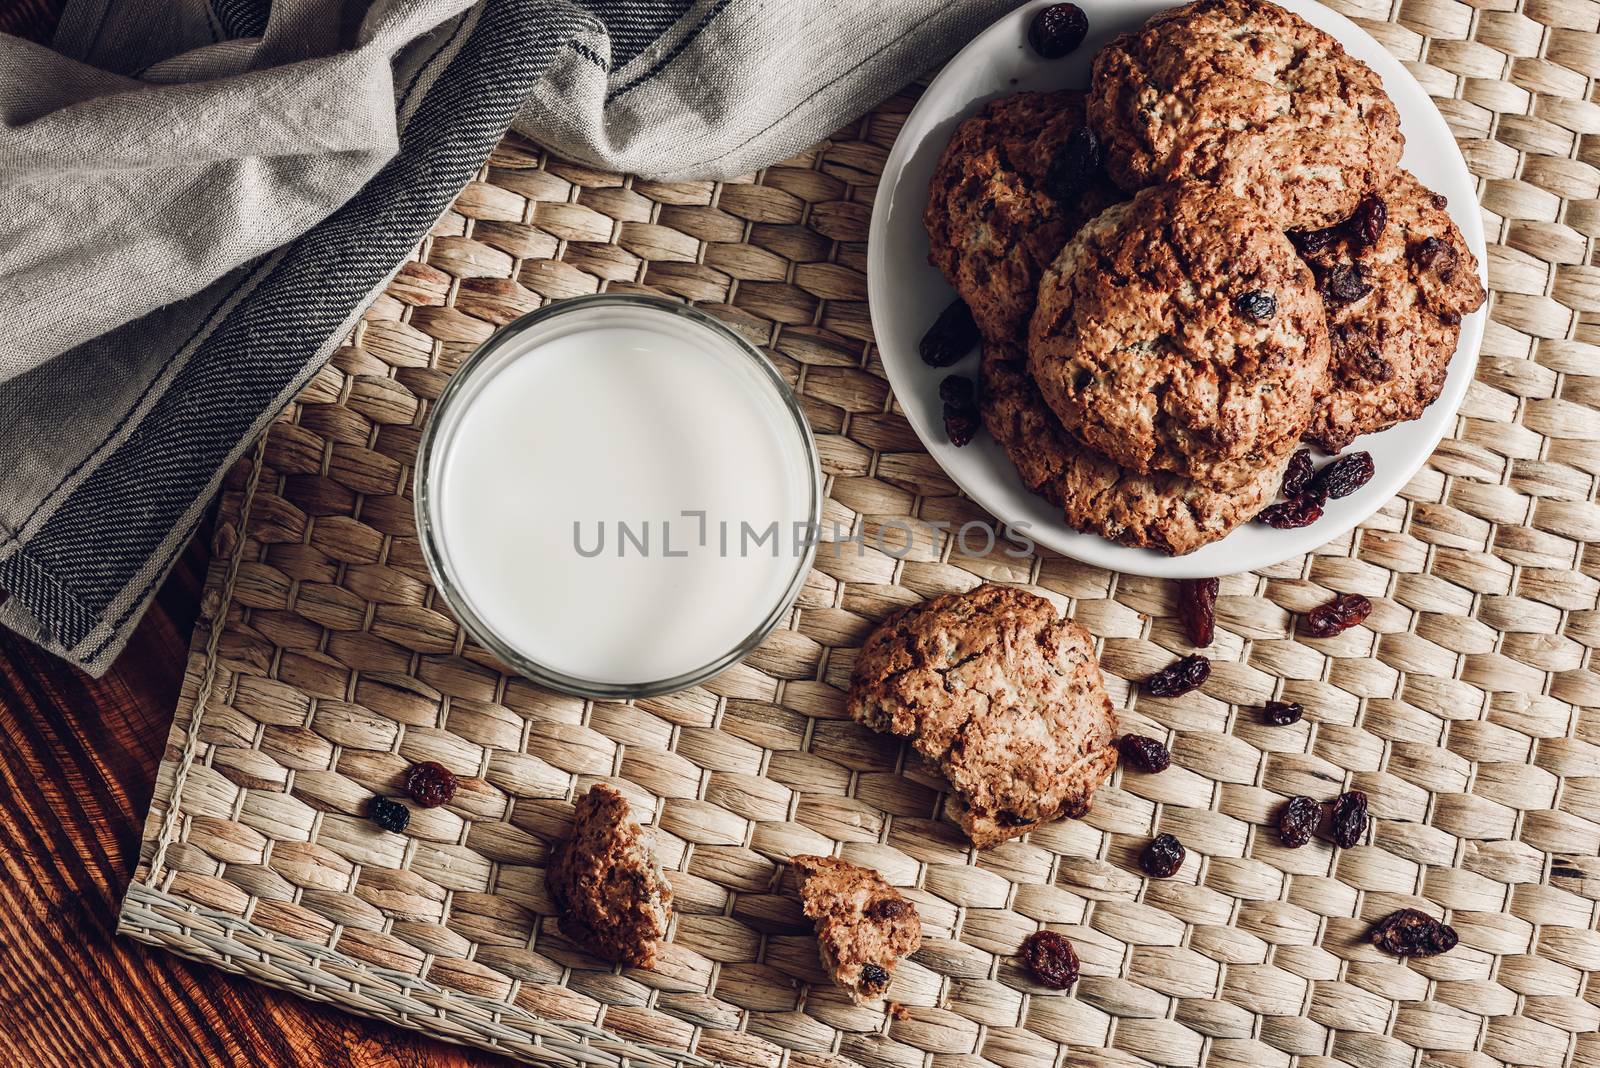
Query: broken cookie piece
{"points": [[1002, 696], [864, 925], [613, 897]]}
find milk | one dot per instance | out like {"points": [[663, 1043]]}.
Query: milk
{"points": [[596, 487]]}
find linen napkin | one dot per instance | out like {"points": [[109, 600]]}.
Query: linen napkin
{"points": [[199, 196]]}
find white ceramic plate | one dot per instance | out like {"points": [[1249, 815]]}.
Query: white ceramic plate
{"points": [[907, 294]]}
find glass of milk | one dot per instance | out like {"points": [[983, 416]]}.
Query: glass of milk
{"points": [[618, 496]]}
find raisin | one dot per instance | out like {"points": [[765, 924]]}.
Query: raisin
{"points": [[1366, 225], [1163, 856], [887, 908], [1339, 614], [1409, 933], [1299, 820], [873, 976], [1297, 476], [430, 784], [1179, 678], [1197, 606], [1310, 242], [1145, 754], [1344, 476], [951, 336], [1345, 284], [960, 423], [1051, 959], [1349, 819], [1257, 305], [1007, 818], [1437, 256], [1369, 363], [957, 390], [1301, 510], [1282, 713], [390, 815], [1057, 30], [1075, 166]]}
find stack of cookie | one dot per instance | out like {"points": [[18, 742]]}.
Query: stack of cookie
{"points": [[1210, 257]]}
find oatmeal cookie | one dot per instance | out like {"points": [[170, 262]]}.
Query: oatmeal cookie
{"points": [[614, 900], [864, 925], [1160, 511], [1409, 279], [1003, 697], [1005, 196], [1250, 97], [1181, 332]]}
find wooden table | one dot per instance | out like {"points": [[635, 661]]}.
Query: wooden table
{"points": [[78, 760]]}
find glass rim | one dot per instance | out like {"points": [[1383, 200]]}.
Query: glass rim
{"points": [[455, 597]]}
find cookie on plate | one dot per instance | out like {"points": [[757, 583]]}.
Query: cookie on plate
{"points": [[1159, 511], [864, 925], [1250, 97], [1002, 696], [1181, 332], [1396, 281], [613, 898], [1005, 196]]}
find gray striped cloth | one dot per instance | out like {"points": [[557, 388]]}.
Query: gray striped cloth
{"points": [[199, 196]]}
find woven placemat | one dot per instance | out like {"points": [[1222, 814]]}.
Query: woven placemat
{"points": [[1467, 708]]}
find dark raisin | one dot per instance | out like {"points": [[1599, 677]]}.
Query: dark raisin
{"points": [[1339, 614], [1075, 166], [952, 336], [1301, 510], [1450, 318], [1257, 305], [1409, 933], [1179, 678], [873, 976], [1310, 242], [1197, 607], [1299, 820], [1297, 476], [1368, 363], [1439, 200], [1283, 713], [1344, 476], [430, 784], [1346, 283], [1366, 225], [1163, 856], [887, 908], [1144, 754], [1057, 30], [958, 390], [1435, 255], [1051, 959], [1007, 818], [960, 423], [1349, 819], [390, 815]]}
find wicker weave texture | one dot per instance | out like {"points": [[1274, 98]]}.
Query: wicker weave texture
{"points": [[1468, 707]]}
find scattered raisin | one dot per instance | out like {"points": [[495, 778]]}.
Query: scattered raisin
{"points": [[1297, 476], [1145, 754], [1437, 256], [390, 815], [1346, 283], [1257, 305], [1057, 30], [1301, 510], [1310, 242], [1349, 819], [1299, 820], [1283, 713], [430, 784], [1075, 166], [961, 424], [1051, 959], [1163, 856], [1366, 225], [1179, 678], [1339, 614], [1197, 606], [1344, 476], [957, 390], [873, 977], [1409, 933], [952, 336]]}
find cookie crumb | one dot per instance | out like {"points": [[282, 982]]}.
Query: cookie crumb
{"points": [[864, 925], [613, 897]]}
